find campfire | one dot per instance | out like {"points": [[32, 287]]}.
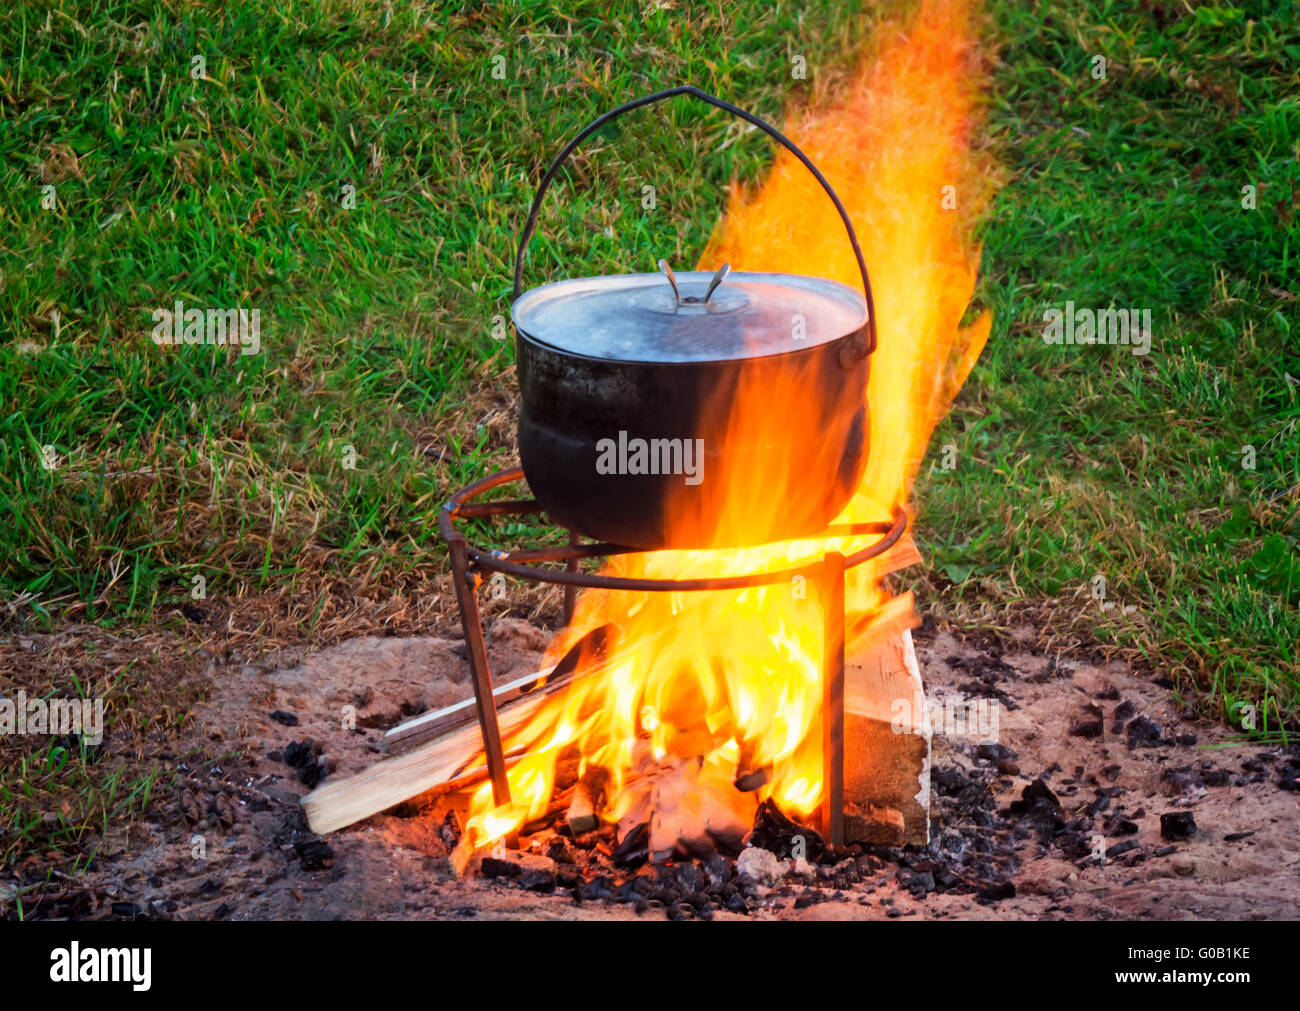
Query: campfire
{"points": [[737, 666]]}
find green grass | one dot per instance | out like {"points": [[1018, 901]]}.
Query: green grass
{"points": [[377, 320], [1075, 461], [229, 191]]}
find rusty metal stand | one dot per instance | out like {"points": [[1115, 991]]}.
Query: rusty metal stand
{"points": [[826, 571], [832, 597], [467, 583]]}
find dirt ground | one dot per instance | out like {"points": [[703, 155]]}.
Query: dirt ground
{"points": [[235, 845]]}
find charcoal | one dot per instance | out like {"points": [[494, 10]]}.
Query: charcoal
{"points": [[990, 752], [1185, 778], [1090, 726], [627, 892], [598, 887], [634, 850], [719, 869], [1119, 825], [690, 877], [948, 780], [538, 881], [1097, 806], [1040, 806], [1123, 712], [1143, 733], [1036, 796], [919, 883], [1176, 826], [1238, 836], [996, 892], [567, 879], [300, 753], [774, 832], [285, 718], [1119, 849], [310, 775], [314, 854]]}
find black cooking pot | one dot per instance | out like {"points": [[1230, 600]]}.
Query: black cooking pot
{"points": [[693, 410]]}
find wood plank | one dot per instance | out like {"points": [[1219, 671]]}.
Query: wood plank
{"points": [[436, 721], [438, 763], [587, 650]]}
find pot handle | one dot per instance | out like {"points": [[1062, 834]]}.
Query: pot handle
{"points": [[864, 341]]}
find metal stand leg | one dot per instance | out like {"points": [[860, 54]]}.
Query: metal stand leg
{"points": [[570, 592], [467, 597], [832, 595]]}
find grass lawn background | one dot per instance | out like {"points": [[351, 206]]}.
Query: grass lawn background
{"points": [[378, 319]]}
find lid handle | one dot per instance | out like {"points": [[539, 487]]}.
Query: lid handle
{"points": [[864, 341], [722, 272], [672, 279]]}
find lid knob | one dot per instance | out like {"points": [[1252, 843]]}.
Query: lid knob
{"points": [[722, 272]]}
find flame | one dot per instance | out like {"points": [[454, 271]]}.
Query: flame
{"points": [[712, 685]]}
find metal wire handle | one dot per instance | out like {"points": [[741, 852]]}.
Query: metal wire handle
{"points": [[869, 330]]}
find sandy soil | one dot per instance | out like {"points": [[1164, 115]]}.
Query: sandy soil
{"points": [[236, 845]]}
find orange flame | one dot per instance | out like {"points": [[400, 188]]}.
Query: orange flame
{"points": [[712, 684]]}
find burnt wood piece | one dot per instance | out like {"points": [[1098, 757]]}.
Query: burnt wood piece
{"points": [[774, 831]]}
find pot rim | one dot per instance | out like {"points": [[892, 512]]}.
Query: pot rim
{"points": [[859, 301]]}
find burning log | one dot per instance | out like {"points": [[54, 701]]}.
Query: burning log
{"points": [[887, 737], [588, 795]]}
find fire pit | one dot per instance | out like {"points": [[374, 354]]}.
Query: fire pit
{"points": [[825, 571]]}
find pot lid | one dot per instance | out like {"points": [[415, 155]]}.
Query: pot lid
{"points": [[693, 316]]}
